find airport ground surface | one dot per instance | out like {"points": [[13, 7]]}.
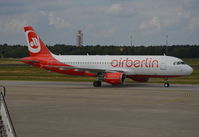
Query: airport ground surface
{"points": [[76, 109]]}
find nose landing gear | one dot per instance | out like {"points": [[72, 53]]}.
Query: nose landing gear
{"points": [[166, 83]]}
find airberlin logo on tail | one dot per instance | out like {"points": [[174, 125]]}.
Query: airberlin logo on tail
{"points": [[33, 42]]}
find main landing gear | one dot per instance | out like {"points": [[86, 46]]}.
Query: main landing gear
{"points": [[97, 83], [166, 83]]}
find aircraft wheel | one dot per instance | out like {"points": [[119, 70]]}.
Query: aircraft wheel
{"points": [[166, 85], [97, 84]]}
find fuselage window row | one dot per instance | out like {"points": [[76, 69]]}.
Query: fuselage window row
{"points": [[85, 62]]}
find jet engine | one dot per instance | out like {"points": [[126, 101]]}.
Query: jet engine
{"points": [[116, 78]]}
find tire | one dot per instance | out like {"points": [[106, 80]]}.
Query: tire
{"points": [[97, 84], [166, 85]]}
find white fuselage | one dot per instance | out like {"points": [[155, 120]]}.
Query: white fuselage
{"points": [[129, 65]]}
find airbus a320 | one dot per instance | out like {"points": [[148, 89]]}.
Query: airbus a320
{"points": [[111, 69]]}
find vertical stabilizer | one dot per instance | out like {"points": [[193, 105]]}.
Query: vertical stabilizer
{"points": [[36, 46]]}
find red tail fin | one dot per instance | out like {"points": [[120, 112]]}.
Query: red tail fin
{"points": [[36, 46]]}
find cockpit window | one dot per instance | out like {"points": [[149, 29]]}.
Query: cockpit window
{"points": [[182, 63], [178, 63]]}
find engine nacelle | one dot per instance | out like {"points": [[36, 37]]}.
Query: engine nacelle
{"points": [[116, 78], [140, 79]]}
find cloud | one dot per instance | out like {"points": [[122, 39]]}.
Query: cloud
{"points": [[151, 26], [155, 22], [190, 4], [118, 10], [12, 26], [194, 24], [182, 13], [106, 30], [114, 9], [146, 19], [56, 21]]}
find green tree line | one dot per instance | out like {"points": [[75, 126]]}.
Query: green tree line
{"points": [[181, 51]]}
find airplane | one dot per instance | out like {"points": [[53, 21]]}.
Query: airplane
{"points": [[112, 69]]}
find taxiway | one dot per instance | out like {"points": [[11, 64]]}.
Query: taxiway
{"points": [[76, 109]]}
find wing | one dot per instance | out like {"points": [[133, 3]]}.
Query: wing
{"points": [[90, 70]]}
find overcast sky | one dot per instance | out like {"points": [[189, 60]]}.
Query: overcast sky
{"points": [[104, 22]]}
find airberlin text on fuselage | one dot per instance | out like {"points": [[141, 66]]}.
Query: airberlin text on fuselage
{"points": [[147, 63]]}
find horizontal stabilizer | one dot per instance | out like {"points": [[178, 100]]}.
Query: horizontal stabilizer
{"points": [[31, 61]]}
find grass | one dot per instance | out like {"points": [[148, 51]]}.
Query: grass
{"points": [[10, 61], [37, 74], [191, 61]]}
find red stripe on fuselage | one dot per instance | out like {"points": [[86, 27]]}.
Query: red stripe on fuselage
{"points": [[47, 62]]}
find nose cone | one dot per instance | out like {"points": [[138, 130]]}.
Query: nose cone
{"points": [[189, 70]]}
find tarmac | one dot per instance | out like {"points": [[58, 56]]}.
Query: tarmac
{"points": [[77, 109]]}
